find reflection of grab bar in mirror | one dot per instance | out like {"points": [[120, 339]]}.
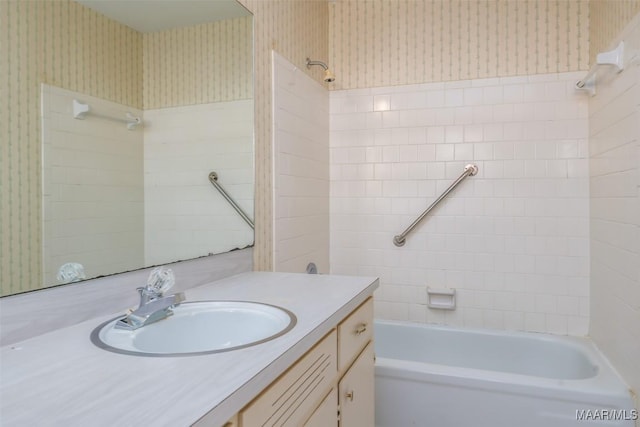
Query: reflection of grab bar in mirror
{"points": [[81, 110], [213, 178]]}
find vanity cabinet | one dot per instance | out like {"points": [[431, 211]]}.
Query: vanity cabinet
{"points": [[331, 385], [290, 399]]}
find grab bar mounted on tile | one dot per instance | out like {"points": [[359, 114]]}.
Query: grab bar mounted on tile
{"points": [[469, 170], [213, 178]]}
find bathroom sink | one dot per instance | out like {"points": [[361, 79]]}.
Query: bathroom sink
{"points": [[196, 328]]}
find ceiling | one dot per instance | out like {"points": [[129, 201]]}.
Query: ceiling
{"points": [[158, 15]]}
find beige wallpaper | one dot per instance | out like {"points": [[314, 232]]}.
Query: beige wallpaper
{"points": [[295, 29], [65, 45], [607, 19], [198, 64], [383, 42]]}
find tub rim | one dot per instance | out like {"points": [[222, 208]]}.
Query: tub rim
{"points": [[606, 382]]}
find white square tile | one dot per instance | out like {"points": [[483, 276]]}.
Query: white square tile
{"points": [[444, 152], [505, 223], [473, 96], [454, 97], [454, 134], [382, 102]]}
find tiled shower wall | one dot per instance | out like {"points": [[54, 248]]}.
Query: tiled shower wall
{"points": [[614, 135], [513, 240], [92, 197], [297, 30], [185, 216], [301, 169]]}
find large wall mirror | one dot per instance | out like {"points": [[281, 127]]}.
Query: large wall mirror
{"points": [[132, 105]]}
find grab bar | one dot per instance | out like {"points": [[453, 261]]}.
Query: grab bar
{"points": [[213, 178], [469, 169]]}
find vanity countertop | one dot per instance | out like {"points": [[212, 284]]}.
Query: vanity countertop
{"points": [[61, 378]]}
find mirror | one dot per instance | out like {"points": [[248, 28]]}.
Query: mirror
{"points": [[138, 101]]}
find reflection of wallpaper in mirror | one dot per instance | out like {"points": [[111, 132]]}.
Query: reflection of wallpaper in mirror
{"points": [[67, 45], [185, 217], [92, 188], [199, 64]]}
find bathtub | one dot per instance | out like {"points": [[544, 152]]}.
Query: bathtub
{"points": [[446, 377]]}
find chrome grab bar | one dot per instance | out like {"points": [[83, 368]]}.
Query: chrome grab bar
{"points": [[469, 170], [213, 178]]}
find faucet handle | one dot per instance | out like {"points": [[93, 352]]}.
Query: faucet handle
{"points": [[160, 280]]}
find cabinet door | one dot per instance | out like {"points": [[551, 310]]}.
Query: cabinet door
{"points": [[290, 399], [326, 415], [356, 392], [233, 422]]}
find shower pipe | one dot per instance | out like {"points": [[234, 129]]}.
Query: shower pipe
{"points": [[213, 178], [469, 170]]}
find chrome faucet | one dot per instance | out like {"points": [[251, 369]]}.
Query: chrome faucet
{"points": [[154, 305]]}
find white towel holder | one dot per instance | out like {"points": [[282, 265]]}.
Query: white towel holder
{"points": [[81, 110]]}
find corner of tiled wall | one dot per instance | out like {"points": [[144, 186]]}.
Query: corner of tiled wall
{"points": [[301, 169], [614, 169]]}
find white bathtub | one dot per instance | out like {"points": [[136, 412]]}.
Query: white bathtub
{"points": [[445, 377]]}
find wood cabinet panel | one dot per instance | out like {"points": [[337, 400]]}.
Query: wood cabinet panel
{"points": [[354, 333], [290, 399], [330, 386], [356, 392], [326, 415]]}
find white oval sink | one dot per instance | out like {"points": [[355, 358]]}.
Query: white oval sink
{"points": [[199, 328]]}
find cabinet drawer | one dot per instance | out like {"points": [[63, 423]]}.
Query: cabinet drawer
{"points": [[292, 397], [354, 333]]}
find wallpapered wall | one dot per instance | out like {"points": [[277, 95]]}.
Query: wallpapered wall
{"points": [[66, 45], [179, 68], [382, 43], [606, 19]]}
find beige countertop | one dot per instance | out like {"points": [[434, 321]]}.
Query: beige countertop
{"points": [[61, 378]]}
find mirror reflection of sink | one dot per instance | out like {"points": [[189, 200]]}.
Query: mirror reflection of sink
{"points": [[196, 328]]}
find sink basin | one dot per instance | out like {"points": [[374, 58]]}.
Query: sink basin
{"points": [[196, 328]]}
